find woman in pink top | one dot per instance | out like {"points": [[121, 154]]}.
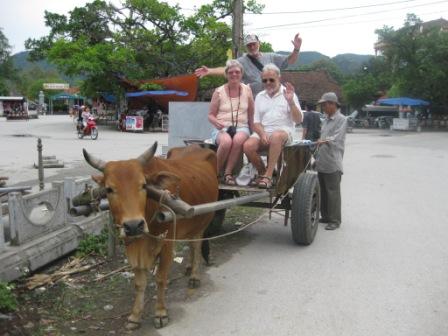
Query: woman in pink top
{"points": [[231, 113]]}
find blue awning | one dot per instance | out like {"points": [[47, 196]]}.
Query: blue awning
{"points": [[403, 101], [109, 98], [156, 93]]}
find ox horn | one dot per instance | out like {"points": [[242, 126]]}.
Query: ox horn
{"points": [[148, 154], [93, 161]]}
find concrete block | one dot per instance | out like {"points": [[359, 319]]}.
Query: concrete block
{"points": [[16, 261], [28, 217]]}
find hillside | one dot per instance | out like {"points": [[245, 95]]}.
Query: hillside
{"points": [[350, 63], [347, 63], [21, 63]]}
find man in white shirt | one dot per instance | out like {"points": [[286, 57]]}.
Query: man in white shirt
{"points": [[277, 110]]}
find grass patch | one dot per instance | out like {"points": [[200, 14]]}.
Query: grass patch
{"points": [[93, 244], [8, 301]]}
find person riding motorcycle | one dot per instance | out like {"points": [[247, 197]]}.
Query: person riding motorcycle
{"points": [[85, 116]]}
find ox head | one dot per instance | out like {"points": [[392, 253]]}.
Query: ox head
{"points": [[126, 185]]}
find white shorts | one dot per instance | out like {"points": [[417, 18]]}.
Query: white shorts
{"points": [[288, 131]]}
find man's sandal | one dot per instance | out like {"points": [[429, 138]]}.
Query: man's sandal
{"points": [[265, 182], [254, 181], [229, 180]]}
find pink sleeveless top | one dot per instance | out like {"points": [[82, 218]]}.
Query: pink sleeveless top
{"points": [[224, 110]]}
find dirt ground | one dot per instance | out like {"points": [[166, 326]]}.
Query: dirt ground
{"points": [[81, 305]]}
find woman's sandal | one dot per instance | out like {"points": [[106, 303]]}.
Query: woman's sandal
{"points": [[264, 182], [229, 180]]}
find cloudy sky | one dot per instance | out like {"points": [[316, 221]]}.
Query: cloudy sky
{"points": [[330, 27]]}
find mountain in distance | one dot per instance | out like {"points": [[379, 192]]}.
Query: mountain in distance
{"points": [[347, 63], [351, 63], [22, 64], [305, 58]]}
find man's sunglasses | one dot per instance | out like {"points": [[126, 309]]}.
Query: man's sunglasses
{"points": [[270, 80]]}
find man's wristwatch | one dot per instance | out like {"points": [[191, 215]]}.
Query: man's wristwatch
{"points": [[297, 49]]}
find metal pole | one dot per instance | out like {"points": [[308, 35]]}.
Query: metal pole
{"points": [[237, 28], [201, 209], [40, 164]]}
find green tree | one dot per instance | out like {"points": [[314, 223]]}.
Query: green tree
{"points": [[372, 81], [417, 57], [7, 70], [31, 82], [149, 39]]}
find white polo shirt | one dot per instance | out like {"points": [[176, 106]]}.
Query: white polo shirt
{"points": [[274, 112]]}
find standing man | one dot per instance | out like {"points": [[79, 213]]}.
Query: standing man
{"points": [[277, 110], [311, 124], [329, 160], [254, 61]]}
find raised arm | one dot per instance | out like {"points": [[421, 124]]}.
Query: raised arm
{"points": [[293, 102], [206, 71], [297, 43]]}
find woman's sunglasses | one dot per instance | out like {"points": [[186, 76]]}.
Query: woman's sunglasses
{"points": [[270, 80]]}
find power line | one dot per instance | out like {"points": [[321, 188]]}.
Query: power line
{"points": [[346, 16], [334, 9], [320, 10], [359, 22]]}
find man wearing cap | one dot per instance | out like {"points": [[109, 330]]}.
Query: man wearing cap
{"points": [[254, 61], [329, 160]]}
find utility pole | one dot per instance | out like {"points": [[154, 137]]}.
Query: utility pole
{"points": [[237, 28]]}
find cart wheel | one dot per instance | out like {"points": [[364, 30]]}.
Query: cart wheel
{"points": [[305, 207], [94, 133]]}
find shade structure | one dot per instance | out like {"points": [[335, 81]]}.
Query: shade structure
{"points": [[403, 101], [66, 96], [178, 84], [156, 93]]}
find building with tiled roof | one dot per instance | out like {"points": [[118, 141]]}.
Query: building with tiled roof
{"points": [[311, 85]]}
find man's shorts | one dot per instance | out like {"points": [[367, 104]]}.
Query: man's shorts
{"points": [[287, 131]]}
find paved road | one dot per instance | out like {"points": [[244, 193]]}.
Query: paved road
{"points": [[385, 272], [18, 148]]}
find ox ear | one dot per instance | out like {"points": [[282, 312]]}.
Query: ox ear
{"points": [[99, 179], [163, 180], [148, 154]]}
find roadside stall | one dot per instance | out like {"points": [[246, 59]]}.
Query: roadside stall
{"points": [[152, 104], [14, 108], [407, 120], [62, 102]]}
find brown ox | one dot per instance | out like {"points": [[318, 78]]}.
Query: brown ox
{"points": [[189, 172]]}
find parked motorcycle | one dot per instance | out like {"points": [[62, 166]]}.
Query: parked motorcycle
{"points": [[89, 129]]}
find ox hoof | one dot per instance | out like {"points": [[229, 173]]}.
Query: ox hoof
{"points": [[194, 283], [188, 271], [132, 325], [160, 321]]}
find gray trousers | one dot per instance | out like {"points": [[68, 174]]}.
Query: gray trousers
{"points": [[330, 197]]}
